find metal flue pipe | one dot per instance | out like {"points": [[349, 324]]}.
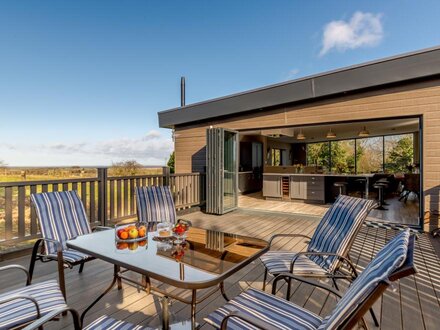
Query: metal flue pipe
{"points": [[182, 91]]}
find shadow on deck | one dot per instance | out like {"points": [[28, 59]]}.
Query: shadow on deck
{"points": [[414, 304]]}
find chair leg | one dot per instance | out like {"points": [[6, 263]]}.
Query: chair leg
{"points": [[61, 278], [264, 279], [33, 260], [289, 284], [335, 284], [373, 316], [81, 267]]}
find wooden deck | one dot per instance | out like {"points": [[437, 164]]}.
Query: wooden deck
{"points": [[413, 305], [397, 211]]}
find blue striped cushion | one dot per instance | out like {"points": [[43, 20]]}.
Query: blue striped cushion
{"points": [[62, 216], [279, 261], [155, 204], [105, 322], [387, 260], [269, 308], [16, 312], [72, 256], [337, 229]]}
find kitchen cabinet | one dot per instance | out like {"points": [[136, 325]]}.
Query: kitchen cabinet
{"points": [[272, 186]]}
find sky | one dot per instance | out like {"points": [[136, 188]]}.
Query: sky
{"points": [[81, 82]]}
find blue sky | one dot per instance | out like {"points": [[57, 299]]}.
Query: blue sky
{"points": [[81, 82]]}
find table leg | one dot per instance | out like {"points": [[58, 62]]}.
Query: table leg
{"points": [[115, 279], [222, 290], [193, 308], [165, 313]]}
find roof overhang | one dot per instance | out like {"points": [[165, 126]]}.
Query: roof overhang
{"points": [[392, 70]]}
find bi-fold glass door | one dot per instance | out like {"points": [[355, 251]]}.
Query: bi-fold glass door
{"points": [[221, 170]]}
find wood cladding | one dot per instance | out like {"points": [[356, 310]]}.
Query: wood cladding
{"points": [[416, 99]]}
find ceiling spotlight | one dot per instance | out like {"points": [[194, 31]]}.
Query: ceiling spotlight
{"points": [[364, 132], [330, 134], [300, 135]]}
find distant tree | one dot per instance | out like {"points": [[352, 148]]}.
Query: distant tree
{"points": [[370, 155], [126, 167], [318, 154], [401, 155], [342, 156], [171, 163]]}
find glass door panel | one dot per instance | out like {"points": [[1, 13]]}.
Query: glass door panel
{"points": [[230, 174]]}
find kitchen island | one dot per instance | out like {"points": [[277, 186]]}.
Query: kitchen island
{"points": [[317, 188]]}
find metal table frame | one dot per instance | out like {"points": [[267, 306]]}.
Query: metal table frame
{"points": [[118, 276]]}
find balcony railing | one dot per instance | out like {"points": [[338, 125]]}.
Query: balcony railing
{"points": [[107, 200]]}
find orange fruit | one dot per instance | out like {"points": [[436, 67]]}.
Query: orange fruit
{"points": [[143, 243], [124, 235], [142, 232], [119, 232]]}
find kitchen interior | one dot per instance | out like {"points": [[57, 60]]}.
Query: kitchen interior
{"points": [[304, 169]]}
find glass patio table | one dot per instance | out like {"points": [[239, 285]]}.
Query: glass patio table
{"points": [[203, 261]]}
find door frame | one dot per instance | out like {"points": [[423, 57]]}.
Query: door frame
{"points": [[216, 169]]}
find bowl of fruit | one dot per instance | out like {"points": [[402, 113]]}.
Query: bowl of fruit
{"points": [[131, 232], [179, 230]]}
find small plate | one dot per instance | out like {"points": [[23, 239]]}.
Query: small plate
{"points": [[163, 238]]}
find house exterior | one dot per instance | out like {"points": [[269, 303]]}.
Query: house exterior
{"points": [[404, 86]]}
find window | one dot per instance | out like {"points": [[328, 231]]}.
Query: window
{"points": [[392, 154], [399, 153], [343, 156], [369, 155], [318, 154], [276, 157]]}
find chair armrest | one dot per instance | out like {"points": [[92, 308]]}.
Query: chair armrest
{"points": [[303, 280], [58, 244], [25, 297], [100, 228], [28, 276], [344, 259], [286, 235], [52, 315], [256, 323]]}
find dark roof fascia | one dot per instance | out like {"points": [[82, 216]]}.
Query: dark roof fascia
{"points": [[392, 70]]}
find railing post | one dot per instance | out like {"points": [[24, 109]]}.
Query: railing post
{"points": [[166, 174], [102, 195]]}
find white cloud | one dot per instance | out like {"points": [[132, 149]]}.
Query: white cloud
{"points": [[362, 30], [292, 74], [151, 149]]}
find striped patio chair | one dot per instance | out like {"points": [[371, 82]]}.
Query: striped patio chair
{"points": [[22, 306], [328, 248], [61, 217], [101, 323], [258, 309], [155, 204]]}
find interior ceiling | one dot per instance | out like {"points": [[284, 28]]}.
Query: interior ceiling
{"points": [[342, 130]]}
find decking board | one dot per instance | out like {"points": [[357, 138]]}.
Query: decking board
{"points": [[415, 305]]}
